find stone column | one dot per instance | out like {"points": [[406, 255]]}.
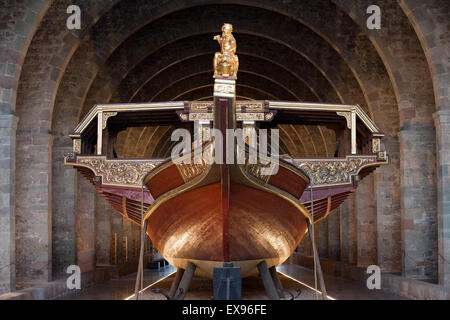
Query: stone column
{"points": [[102, 230], [347, 215], [418, 197], [323, 238], [334, 237], [33, 208], [388, 220], [344, 232], [85, 224], [8, 126], [366, 223], [316, 237], [136, 232], [116, 229], [304, 248], [64, 241], [442, 121], [348, 230], [352, 229], [127, 234]]}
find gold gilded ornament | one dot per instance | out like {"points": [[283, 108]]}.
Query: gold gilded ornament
{"points": [[106, 116], [332, 172], [77, 146], [226, 63], [115, 172]]}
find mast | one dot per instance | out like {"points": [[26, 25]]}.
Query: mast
{"points": [[225, 74]]}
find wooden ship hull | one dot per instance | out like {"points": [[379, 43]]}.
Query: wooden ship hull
{"points": [[187, 229], [212, 217]]}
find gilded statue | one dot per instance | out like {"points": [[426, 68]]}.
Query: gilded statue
{"points": [[226, 63]]}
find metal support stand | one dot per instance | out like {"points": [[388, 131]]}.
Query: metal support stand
{"points": [[276, 281], [140, 272], [185, 281], [268, 281], [176, 283], [317, 261]]}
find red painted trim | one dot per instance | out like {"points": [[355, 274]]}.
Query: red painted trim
{"points": [[133, 194], [320, 193]]}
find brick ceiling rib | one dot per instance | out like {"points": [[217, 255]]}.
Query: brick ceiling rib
{"points": [[283, 56], [162, 54], [261, 20]]}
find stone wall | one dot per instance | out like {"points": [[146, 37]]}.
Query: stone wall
{"points": [[18, 22], [8, 124]]}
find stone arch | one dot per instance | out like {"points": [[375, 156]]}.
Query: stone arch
{"points": [[19, 22], [430, 22]]}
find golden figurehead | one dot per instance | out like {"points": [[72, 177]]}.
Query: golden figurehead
{"points": [[226, 63]]}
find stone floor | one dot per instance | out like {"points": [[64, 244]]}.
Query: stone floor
{"points": [[337, 288], [296, 279], [118, 289], [252, 289]]}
